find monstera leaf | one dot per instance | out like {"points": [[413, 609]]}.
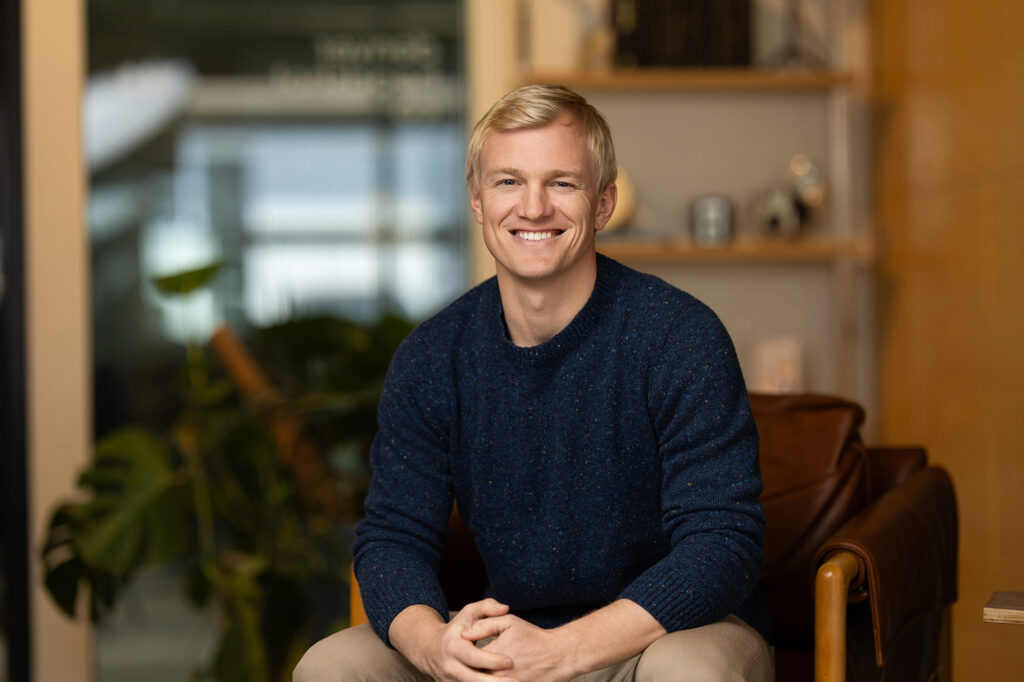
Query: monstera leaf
{"points": [[134, 517], [65, 571], [181, 283]]}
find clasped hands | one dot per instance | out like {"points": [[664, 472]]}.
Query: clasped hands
{"points": [[518, 652]]}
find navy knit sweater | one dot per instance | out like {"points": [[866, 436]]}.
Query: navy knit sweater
{"points": [[618, 459]]}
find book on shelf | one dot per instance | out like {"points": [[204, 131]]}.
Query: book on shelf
{"points": [[682, 32]]}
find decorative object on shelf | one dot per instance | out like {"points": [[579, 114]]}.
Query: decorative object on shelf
{"points": [[778, 366], [776, 213], [787, 207], [682, 32], [789, 34], [625, 206], [805, 176], [711, 220], [598, 36], [565, 35], [596, 39]]}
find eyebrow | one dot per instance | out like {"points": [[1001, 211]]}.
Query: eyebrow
{"points": [[557, 173]]}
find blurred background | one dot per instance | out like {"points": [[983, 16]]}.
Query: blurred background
{"points": [[220, 218]]}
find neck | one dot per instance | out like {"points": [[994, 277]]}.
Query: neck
{"points": [[535, 311]]}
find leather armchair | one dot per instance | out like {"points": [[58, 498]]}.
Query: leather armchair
{"points": [[860, 549]]}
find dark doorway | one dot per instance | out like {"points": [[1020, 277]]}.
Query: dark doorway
{"points": [[14, 612]]}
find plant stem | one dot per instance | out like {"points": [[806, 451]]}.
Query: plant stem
{"points": [[187, 434], [200, 488]]}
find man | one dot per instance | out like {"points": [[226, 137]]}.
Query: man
{"points": [[594, 428]]}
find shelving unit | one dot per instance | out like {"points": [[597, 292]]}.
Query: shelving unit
{"points": [[683, 132]]}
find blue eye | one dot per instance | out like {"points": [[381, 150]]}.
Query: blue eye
{"points": [[507, 182], [561, 184]]}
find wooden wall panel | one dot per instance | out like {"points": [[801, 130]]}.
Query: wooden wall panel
{"points": [[949, 174]]}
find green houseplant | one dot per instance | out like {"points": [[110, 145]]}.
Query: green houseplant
{"points": [[250, 488]]}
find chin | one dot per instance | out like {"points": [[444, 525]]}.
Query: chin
{"points": [[531, 274]]}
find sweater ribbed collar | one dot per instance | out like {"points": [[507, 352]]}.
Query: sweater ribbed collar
{"points": [[582, 327]]}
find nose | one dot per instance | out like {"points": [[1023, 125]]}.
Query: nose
{"points": [[534, 203]]}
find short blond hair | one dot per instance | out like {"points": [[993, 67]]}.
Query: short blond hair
{"points": [[535, 106]]}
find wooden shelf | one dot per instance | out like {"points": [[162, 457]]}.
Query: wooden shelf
{"points": [[1005, 607], [695, 79], [740, 252]]}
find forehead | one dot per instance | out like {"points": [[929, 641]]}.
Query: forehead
{"points": [[559, 145]]}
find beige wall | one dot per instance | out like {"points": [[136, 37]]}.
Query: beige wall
{"points": [[491, 71], [57, 324], [950, 184]]}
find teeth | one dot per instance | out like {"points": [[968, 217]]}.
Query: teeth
{"points": [[536, 236]]}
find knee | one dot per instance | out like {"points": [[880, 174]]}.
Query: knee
{"points": [[722, 652], [334, 658], [353, 655], [706, 665], [314, 664]]}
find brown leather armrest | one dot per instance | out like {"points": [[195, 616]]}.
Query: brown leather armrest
{"points": [[906, 542]]}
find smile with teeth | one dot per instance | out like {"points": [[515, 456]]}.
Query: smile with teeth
{"points": [[536, 235]]}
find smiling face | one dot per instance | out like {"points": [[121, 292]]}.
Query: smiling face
{"points": [[537, 203]]}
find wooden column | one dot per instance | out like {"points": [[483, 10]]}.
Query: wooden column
{"points": [[492, 67], [58, 348], [949, 171]]}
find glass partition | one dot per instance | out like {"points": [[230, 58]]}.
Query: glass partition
{"points": [[281, 177]]}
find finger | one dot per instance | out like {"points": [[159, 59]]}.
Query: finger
{"points": [[490, 607], [469, 675], [455, 670], [488, 627], [480, 609], [469, 655]]}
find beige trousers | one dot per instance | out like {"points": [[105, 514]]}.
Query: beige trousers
{"points": [[726, 651]]}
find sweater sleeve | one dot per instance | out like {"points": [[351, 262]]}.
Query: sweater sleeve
{"points": [[399, 541], [711, 480]]}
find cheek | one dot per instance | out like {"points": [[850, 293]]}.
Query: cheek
{"points": [[576, 208], [497, 206]]}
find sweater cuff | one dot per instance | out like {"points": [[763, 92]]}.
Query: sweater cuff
{"points": [[388, 589], [676, 601]]}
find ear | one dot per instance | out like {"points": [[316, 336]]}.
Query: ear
{"points": [[606, 206], [474, 203]]}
